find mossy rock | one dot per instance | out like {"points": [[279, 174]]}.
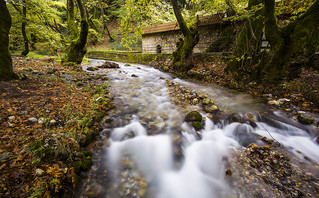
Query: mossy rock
{"points": [[88, 137], [193, 116], [197, 126], [306, 118], [83, 161]]}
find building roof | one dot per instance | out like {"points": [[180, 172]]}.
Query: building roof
{"points": [[172, 26]]}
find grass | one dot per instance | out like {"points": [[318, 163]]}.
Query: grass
{"points": [[34, 55]]}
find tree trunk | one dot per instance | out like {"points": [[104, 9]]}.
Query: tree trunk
{"points": [[6, 70], [104, 24], [77, 48], [291, 46], [247, 44], [182, 57], [24, 34]]}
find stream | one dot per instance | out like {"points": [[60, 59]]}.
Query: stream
{"points": [[148, 150]]}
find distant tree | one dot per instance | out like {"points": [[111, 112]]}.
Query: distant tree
{"points": [[43, 21], [24, 23], [6, 70], [77, 48]]}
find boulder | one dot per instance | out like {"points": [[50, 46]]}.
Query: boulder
{"points": [[305, 118], [244, 135], [109, 65], [197, 126], [193, 116]]}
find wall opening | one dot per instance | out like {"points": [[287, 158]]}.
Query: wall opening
{"points": [[158, 49]]}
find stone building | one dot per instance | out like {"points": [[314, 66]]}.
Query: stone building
{"points": [[216, 35]]}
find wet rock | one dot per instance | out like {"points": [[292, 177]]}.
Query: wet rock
{"points": [[109, 65], [235, 117], [195, 101], [127, 64], [134, 75], [277, 121], [193, 116], [207, 101], [211, 108], [244, 135], [197, 126], [219, 117], [305, 118], [202, 96], [155, 127]]}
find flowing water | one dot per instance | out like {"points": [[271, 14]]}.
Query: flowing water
{"points": [[149, 151]]}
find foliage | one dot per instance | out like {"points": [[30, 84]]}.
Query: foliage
{"points": [[45, 23]]}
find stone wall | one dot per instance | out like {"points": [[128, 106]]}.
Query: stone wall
{"points": [[213, 38]]}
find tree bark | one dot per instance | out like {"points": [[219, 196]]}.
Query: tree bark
{"points": [[291, 46], [247, 44], [24, 34], [77, 48], [104, 23], [182, 57], [6, 69]]}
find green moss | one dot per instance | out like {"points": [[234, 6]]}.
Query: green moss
{"points": [[83, 162], [305, 119], [48, 149], [197, 126], [193, 116], [247, 44]]}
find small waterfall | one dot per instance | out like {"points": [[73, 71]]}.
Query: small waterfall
{"points": [[152, 129]]}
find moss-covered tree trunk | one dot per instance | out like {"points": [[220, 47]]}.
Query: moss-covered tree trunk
{"points": [[291, 46], [248, 42], [77, 48], [182, 57], [24, 34], [6, 70]]}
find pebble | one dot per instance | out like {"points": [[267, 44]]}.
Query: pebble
{"points": [[39, 172], [11, 118], [42, 121], [52, 122], [33, 119]]}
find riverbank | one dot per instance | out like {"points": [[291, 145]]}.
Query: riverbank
{"points": [[292, 97], [48, 119]]}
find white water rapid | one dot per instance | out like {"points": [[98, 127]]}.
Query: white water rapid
{"points": [[148, 130]]}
